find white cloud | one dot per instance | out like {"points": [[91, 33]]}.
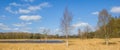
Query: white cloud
{"points": [[115, 9], [10, 10], [3, 17], [30, 17], [23, 29], [42, 29], [22, 24], [39, 7], [14, 29], [27, 7], [28, 0], [23, 11], [80, 24], [4, 27], [95, 13], [57, 31], [45, 4], [34, 8], [20, 11], [17, 29], [15, 4]]}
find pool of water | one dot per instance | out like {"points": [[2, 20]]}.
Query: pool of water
{"points": [[31, 41]]}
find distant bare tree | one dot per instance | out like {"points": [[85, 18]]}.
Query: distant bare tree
{"points": [[66, 24], [46, 31], [87, 29], [79, 33], [103, 19]]}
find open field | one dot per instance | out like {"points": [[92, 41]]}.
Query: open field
{"points": [[74, 44]]}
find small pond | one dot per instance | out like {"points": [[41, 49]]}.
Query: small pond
{"points": [[31, 41]]}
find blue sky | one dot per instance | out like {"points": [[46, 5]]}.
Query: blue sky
{"points": [[34, 15]]}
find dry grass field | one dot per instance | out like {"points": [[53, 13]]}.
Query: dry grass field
{"points": [[74, 44]]}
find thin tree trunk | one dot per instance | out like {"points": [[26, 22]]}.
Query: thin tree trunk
{"points": [[46, 39], [106, 36], [67, 44]]}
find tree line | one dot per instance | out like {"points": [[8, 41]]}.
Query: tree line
{"points": [[24, 35], [112, 29]]}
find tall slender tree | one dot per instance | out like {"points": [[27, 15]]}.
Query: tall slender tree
{"points": [[103, 19], [66, 24]]}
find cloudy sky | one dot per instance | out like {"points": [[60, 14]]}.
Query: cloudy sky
{"points": [[34, 15]]}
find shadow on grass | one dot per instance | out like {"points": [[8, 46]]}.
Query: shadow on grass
{"points": [[110, 43], [118, 41], [71, 41], [71, 44]]}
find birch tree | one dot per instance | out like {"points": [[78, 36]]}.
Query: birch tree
{"points": [[66, 24], [103, 19]]}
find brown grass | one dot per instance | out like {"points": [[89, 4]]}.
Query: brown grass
{"points": [[74, 44]]}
